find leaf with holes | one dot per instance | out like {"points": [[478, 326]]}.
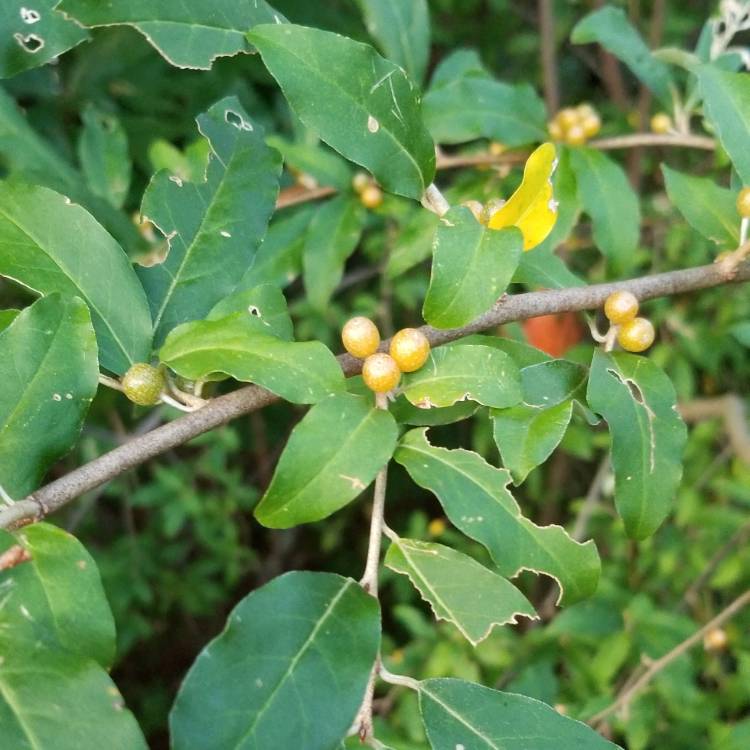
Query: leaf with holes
{"points": [[476, 500], [402, 31], [457, 373], [458, 714], [241, 346], [371, 112], [104, 156], [189, 34], [458, 588], [213, 228], [266, 303], [609, 200], [638, 402], [33, 34], [726, 102], [43, 237], [289, 670], [610, 27], [50, 373], [331, 457], [471, 268], [332, 237]]}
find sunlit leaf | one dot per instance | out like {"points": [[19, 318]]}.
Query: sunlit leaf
{"points": [[458, 588], [476, 500]]}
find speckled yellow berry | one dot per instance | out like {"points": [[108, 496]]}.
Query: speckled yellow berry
{"points": [[496, 148], [621, 307], [555, 130], [360, 337], [567, 118], [371, 196], [575, 136], [436, 527], [410, 349], [360, 181], [636, 335], [143, 384], [381, 373], [585, 110], [591, 125], [743, 203], [715, 640], [661, 123]]}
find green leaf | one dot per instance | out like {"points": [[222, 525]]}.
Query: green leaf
{"points": [[475, 498], [527, 435], [49, 373], [458, 588], [34, 34], [279, 259], [464, 103], [551, 383], [240, 346], [7, 317], [609, 200], [456, 373], [402, 31], [471, 268], [371, 112], [266, 303], [331, 457], [708, 208], [289, 670], [610, 27], [55, 598], [726, 103], [405, 413], [103, 153], [43, 237], [741, 331], [648, 436], [463, 714], [189, 34], [413, 242], [56, 636], [53, 699], [333, 236], [214, 228], [325, 166]]}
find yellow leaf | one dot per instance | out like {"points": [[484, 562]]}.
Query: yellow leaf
{"points": [[532, 207]]}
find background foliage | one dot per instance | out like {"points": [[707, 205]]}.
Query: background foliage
{"points": [[174, 540]]}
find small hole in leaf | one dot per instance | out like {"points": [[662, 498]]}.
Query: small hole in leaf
{"points": [[255, 311], [237, 120], [31, 42], [28, 15]]}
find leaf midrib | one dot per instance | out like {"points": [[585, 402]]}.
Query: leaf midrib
{"points": [[307, 64], [308, 641]]}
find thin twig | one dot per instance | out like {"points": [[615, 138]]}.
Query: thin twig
{"points": [[634, 140], [398, 679], [548, 53], [629, 692], [242, 401]]}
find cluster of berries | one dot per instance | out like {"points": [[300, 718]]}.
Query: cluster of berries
{"points": [[370, 194], [633, 334], [575, 125], [381, 372]]}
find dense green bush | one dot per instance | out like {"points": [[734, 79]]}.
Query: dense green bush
{"points": [[213, 190]]}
